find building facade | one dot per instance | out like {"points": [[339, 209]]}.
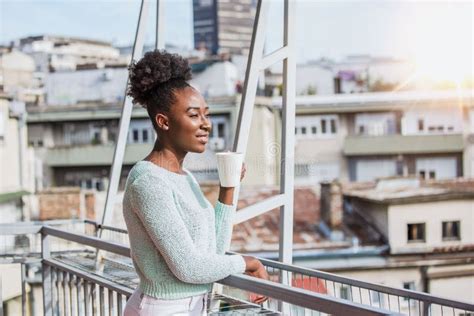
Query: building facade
{"points": [[16, 161], [222, 26], [76, 143], [360, 137]]}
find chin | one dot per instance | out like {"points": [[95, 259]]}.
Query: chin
{"points": [[199, 149]]}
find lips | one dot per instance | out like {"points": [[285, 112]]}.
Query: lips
{"points": [[203, 138]]}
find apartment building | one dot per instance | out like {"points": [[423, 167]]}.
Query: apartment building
{"points": [[427, 225], [76, 143], [53, 53], [346, 137], [360, 137], [222, 26], [15, 160]]}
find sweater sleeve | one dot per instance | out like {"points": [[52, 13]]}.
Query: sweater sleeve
{"points": [[154, 204], [224, 214]]}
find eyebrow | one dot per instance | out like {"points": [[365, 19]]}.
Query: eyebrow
{"points": [[196, 108]]}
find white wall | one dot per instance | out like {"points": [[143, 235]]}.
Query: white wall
{"points": [[316, 76], [66, 88], [443, 168], [316, 126], [141, 126], [9, 150], [375, 124], [436, 120], [370, 169], [432, 214]]}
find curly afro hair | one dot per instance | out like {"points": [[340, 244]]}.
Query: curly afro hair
{"points": [[155, 78]]}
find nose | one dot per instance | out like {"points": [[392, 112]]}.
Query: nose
{"points": [[206, 123]]}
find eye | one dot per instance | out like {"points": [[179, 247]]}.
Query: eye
{"points": [[208, 115], [193, 115]]}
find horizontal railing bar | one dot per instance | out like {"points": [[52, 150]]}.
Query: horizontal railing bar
{"points": [[89, 277], [89, 221], [32, 227], [88, 241], [258, 208], [366, 285], [114, 229], [301, 297], [106, 227], [12, 229], [274, 57]]}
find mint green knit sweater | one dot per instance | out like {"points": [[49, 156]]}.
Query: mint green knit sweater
{"points": [[177, 238]]}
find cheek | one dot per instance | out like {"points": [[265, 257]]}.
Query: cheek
{"points": [[185, 129]]}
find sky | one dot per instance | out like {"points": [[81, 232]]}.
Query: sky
{"points": [[331, 28]]}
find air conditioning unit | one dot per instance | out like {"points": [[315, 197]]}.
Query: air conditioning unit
{"points": [[217, 144]]}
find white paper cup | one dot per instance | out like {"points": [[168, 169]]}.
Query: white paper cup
{"points": [[229, 167]]}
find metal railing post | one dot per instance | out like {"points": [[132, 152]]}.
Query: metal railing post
{"points": [[1, 298], [46, 274], [23, 289]]}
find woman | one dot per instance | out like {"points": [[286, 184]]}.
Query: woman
{"points": [[177, 238]]}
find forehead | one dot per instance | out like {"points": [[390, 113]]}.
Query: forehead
{"points": [[188, 99]]}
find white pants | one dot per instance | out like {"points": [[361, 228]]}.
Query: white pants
{"points": [[144, 305]]}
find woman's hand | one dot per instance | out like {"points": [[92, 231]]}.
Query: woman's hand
{"points": [[256, 269]]}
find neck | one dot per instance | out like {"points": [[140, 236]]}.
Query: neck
{"points": [[167, 157]]}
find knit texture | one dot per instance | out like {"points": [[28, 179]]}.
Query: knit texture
{"points": [[177, 238]]}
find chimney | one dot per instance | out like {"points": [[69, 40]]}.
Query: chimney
{"points": [[331, 203]]}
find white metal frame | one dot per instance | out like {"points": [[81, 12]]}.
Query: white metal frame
{"points": [[256, 63]]}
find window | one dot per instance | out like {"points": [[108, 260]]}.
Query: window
{"points": [[408, 286], [145, 135], [96, 137], [451, 230], [303, 130], [361, 129], [333, 126], [432, 174], [314, 130], [422, 174], [416, 232], [421, 125], [135, 135], [296, 130], [221, 130], [323, 126], [111, 137]]}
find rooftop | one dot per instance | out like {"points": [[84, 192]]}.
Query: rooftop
{"points": [[412, 190]]}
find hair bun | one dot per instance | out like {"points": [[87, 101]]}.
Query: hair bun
{"points": [[155, 68]]}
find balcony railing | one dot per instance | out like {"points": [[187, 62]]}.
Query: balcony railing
{"points": [[74, 285]]}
